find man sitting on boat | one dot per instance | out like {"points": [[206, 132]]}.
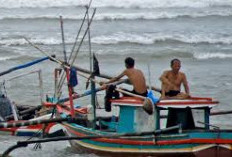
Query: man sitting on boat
{"points": [[172, 81], [171, 87], [135, 77]]}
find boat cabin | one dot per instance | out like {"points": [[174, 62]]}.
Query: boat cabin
{"points": [[132, 117]]}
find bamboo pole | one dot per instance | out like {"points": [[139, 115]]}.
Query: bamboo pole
{"points": [[35, 122], [78, 49], [76, 96], [23, 66], [41, 86]]}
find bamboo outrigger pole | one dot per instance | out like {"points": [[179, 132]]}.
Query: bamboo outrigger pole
{"points": [[35, 122], [23, 65]]}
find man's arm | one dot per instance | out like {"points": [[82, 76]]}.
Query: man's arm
{"points": [[164, 83], [185, 83], [114, 78], [163, 78]]}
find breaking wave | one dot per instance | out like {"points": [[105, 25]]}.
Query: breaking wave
{"points": [[22, 41], [117, 3], [203, 56], [128, 38], [132, 15], [7, 58], [157, 38]]}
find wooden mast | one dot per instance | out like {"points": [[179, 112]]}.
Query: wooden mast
{"points": [[93, 86], [70, 90]]}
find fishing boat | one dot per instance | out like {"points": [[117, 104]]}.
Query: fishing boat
{"points": [[132, 132]]}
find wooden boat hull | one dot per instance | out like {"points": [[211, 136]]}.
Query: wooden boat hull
{"points": [[35, 130], [213, 151], [51, 129], [194, 144]]}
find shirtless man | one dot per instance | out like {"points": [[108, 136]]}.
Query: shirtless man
{"points": [[172, 81], [135, 76]]}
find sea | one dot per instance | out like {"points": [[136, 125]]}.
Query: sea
{"points": [[153, 32]]}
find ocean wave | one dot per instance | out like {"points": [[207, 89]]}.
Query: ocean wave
{"points": [[203, 56], [163, 54], [127, 38], [38, 17], [5, 58], [117, 3], [122, 38], [39, 41], [141, 15], [147, 38]]}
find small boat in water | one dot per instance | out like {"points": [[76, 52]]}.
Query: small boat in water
{"points": [[132, 132]]}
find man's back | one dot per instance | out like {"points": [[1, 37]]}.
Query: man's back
{"points": [[137, 79]]}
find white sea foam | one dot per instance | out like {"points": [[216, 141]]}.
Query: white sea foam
{"points": [[7, 58], [117, 3], [153, 15], [212, 55], [110, 13], [43, 41], [131, 15], [122, 37], [148, 38]]}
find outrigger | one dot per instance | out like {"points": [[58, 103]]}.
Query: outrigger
{"points": [[13, 116]]}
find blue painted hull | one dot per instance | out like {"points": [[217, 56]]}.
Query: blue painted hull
{"points": [[195, 143]]}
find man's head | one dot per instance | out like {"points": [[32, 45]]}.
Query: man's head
{"points": [[175, 65], [129, 62]]}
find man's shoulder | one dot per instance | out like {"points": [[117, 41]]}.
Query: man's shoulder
{"points": [[132, 69], [182, 74], [167, 72], [128, 71]]}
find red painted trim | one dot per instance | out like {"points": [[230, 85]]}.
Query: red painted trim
{"points": [[8, 129], [70, 90], [109, 140], [82, 110], [163, 142], [48, 127], [196, 141], [194, 101], [128, 100], [48, 104], [187, 103], [62, 110], [202, 98]]}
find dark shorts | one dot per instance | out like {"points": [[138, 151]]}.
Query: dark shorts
{"points": [[172, 93], [134, 92], [142, 94]]}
